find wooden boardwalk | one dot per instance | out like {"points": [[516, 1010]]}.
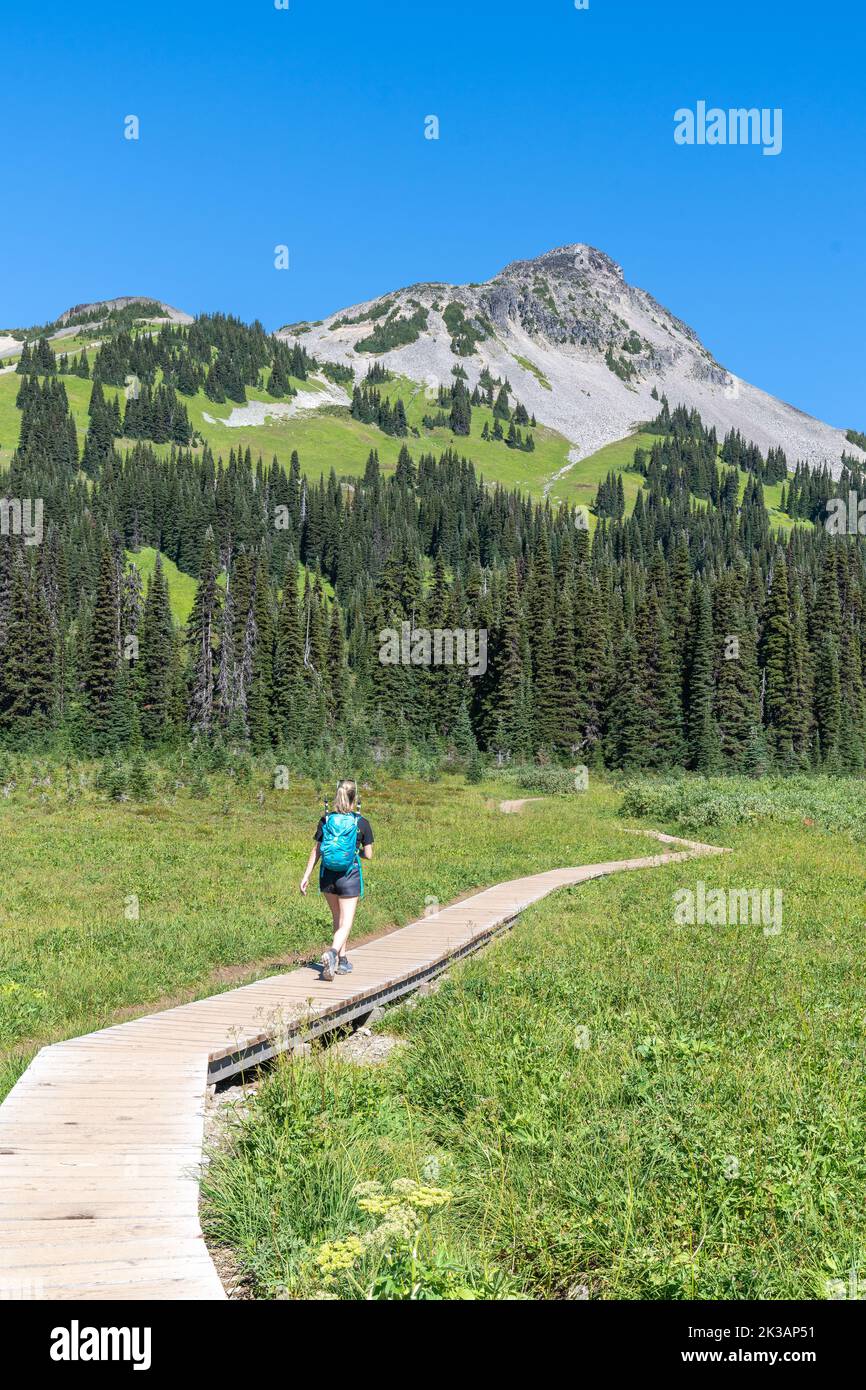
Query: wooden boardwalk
{"points": [[101, 1138]]}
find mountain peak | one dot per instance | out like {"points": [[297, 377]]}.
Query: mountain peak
{"points": [[585, 351], [84, 311], [576, 260]]}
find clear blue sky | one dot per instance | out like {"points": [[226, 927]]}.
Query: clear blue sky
{"points": [[305, 127]]}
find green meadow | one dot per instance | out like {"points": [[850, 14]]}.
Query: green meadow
{"points": [[78, 392], [330, 438], [604, 1103], [580, 484], [215, 869], [181, 587]]}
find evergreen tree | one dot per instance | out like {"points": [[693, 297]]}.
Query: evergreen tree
{"points": [[202, 631], [287, 723], [701, 733], [156, 661], [828, 700], [336, 666], [735, 705], [262, 673], [102, 660], [777, 711]]}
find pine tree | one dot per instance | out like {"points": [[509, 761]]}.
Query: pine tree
{"points": [[503, 715], [568, 735], [287, 721], [540, 626], [778, 715], [336, 666], [627, 733], [828, 700], [591, 640], [463, 735], [140, 786], [122, 713], [102, 660], [202, 630], [260, 697], [701, 733], [658, 688], [735, 705], [404, 473], [156, 661]]}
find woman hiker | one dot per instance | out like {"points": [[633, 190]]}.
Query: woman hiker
{"points": [[342, 838]]}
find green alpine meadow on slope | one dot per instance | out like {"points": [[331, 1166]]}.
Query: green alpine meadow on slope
{"points": [[327, 436], [603, 1104]]}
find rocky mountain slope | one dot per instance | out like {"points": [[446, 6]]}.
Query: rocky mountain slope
{"points": [[582, 348], [79, 310], [78, 318]]}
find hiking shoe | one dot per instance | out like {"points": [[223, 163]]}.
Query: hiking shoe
{"points": [[345, 966], [329, 965]]}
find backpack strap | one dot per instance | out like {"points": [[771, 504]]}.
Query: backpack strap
{"points": [[357, 854]]}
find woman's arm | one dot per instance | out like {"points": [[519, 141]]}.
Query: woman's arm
{"points": [[311, 863], [367, 851]]}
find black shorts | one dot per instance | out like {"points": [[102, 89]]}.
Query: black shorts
{"points": [[344, 884]]}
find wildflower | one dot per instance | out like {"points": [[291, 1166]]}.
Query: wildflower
{"points": [[397, 1229], [378, 1204], [366, 1189], [426, 1198], [335, 1256]]}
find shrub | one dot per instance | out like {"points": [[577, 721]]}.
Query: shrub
{"points": [[699, 803], [550, 781], [140, 785], [475, 769], [199, 786]]}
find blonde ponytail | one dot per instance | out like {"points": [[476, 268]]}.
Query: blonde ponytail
{"points": [[347, 791]]}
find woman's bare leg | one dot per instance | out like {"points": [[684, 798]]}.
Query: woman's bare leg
{"points": [[347, 909], [334, 904]]}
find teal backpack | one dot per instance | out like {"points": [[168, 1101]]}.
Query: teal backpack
{"points": [[340, 841]]}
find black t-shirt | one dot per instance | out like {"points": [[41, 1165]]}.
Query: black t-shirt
{"points": [[365, 831]]}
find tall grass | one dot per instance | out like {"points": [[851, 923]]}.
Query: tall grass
{"points": [[700, 803]]}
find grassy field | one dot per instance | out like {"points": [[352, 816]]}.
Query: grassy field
{"points": [[331, 438], [327, 438], [181, 587], [78, 392], [536, 371], [580, 484], [604, 1104], [216, 880]]}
